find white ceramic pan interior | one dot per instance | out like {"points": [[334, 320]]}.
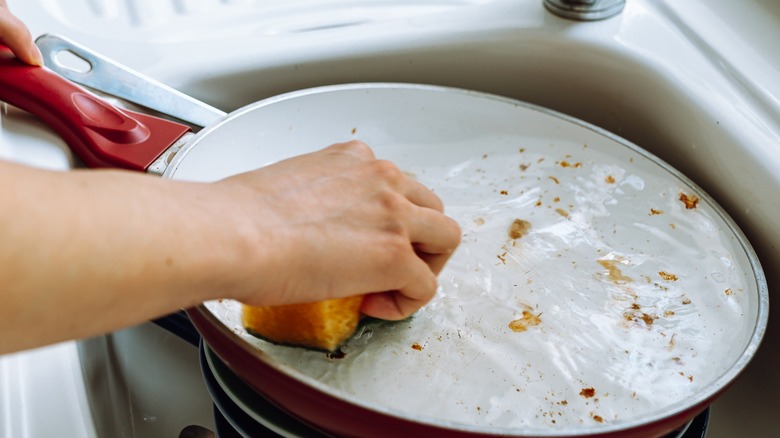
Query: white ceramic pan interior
{"points": [[621, 295]]}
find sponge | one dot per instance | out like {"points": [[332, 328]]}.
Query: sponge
{"points": [[323, 325]]}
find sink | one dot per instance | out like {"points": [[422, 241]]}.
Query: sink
{"points": [[692, 82]]}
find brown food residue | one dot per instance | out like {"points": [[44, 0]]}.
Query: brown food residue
{"points": [[555, 180], [598, 418], [654, 212], [729, 291], [417, 347], [689, 377], [519, 228], [567, 164], [690, 201], [504, 192], [354, 130], [614, 273], [527, 320], [667, 276], [609, 179], [635, 315], [588, 392], [562, 212]]}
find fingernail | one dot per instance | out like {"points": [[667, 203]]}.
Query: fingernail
{"points": [[37, 57]]}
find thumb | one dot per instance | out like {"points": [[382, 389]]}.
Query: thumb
{"points": [[15, 35]]}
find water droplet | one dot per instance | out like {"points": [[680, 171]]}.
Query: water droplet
{"points": [[717, 276]]}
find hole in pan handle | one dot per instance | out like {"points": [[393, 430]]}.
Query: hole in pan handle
{"points": [[100, 134], [100, 73]]}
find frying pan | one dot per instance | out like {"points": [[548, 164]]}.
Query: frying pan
{"points": [[597, 291]]}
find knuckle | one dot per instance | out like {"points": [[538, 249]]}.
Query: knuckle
{"points": [[397, 247], [454, 232], [429, 288], [398, 256], [386, 170], [357, 144], [392, 203], [353, 146], [436, 203], [421, 294]]}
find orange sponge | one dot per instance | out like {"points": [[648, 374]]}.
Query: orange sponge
{"points": [[323, 325]]}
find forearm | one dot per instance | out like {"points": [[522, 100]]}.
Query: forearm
{"points": [[88, 252]]}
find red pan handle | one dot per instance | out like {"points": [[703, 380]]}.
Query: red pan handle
{"points": [[100, 134]]}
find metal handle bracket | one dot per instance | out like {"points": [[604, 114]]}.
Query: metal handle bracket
{"points": [[108, 76]]}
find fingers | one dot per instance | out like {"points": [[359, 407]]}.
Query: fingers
{"points": [[414, 191], [401, 303], [433, 238], [431, 232], [390, 306], [433, 251], [15, 35], [411, 189], [420, 195]]}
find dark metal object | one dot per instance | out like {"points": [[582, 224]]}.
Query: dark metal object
{"points": [[585, 10]]}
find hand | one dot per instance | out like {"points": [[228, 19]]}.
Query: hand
{"points": [[343, 223], [15, 35], [108, 249]]}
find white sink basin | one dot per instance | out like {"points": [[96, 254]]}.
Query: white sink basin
{"points": [[693, 82]]}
